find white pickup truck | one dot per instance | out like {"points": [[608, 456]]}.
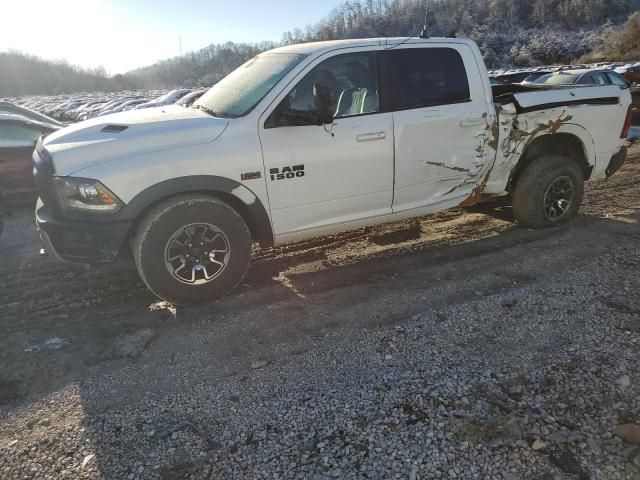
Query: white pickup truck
{"points": [[312, 139]]}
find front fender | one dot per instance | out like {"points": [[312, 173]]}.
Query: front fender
{"points": [[236, 194]]}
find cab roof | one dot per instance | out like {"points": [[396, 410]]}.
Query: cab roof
{"points": [[319, 47]]}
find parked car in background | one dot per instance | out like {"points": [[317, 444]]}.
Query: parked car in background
{"points": [[167, 99], [596, 77], [129, 104], [521, 75], [82, 109], [62, 111], [514, 77], [119, 105], [189, 98], [13, 109], [630, 72], [536, 75], [18, 136]]}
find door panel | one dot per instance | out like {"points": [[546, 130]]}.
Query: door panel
{"points": [[436, 157], [348, 172], [319, 176], [441, 122]]}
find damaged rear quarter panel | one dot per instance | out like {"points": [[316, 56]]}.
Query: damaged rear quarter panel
{"points": [[518, 131]]}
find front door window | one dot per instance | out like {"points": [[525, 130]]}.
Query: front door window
{"points": [[352, 83]]}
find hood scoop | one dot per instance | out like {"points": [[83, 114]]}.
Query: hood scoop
{"points": [[114, 128]]}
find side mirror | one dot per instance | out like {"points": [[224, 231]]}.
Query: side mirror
{"points": [[322, 102], [285, 116]]}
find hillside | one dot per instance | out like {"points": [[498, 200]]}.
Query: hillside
{"points": [[22, 74], [618, 44], [509, 32], [203, 67]]}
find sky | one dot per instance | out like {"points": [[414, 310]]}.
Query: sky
{"points": [[121, 35]]}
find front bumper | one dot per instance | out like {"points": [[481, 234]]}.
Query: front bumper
{"points": [[80, 241], [616, 162], [73, 236]]}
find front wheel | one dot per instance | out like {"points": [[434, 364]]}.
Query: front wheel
{"points": [[548, 192], [192, 249]]}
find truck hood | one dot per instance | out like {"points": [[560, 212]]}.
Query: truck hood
{"points": [[134, 132]]}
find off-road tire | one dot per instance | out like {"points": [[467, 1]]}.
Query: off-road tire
{"points": [[157, 229], [533, 185]]}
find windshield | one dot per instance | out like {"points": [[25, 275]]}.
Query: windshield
{"points": [[239, 92], [558, 79]]}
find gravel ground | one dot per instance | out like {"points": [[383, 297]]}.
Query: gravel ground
{"points": [[453, 346]]}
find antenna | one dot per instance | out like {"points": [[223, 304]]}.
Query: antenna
{"points": [[424, 33]]}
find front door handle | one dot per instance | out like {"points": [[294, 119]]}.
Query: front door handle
{"points": [[368, 137], [474, 121]]}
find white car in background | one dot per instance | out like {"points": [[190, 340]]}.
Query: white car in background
{"points": [[13, 109]]}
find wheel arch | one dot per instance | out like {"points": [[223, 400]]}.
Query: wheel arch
{"points": [[236, 195], [568, 142]]}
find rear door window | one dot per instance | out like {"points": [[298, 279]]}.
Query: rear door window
{"points": [[425, 77]]}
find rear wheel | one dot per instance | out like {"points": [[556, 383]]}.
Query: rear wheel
{"points": [[548, 192], [192, 249]]}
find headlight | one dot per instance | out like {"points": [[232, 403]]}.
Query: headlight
{"points": [[86, 195]]}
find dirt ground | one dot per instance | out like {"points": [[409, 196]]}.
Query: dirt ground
{"points": [[64, 326]]}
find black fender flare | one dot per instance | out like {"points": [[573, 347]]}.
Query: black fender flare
{"points": [[237, 195]]}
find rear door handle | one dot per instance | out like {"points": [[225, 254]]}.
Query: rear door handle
{"points": [[474, 121], [368, 137]]}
